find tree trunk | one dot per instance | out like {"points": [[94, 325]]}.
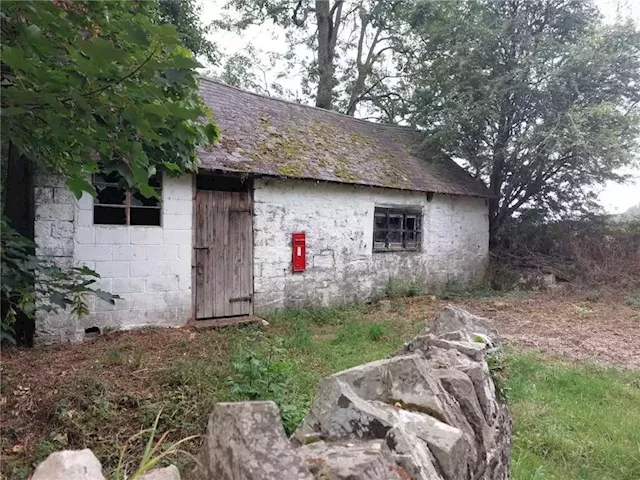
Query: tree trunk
{"points": [[327, 35], [19, 212], [494, 206], [18, 207], [496, 213]]}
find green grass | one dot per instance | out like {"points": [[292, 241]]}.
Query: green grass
{"points": [[286, 364], [573, 421]]}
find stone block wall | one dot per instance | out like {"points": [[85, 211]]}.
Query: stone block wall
{"points": [[148, 267], [341, 264]]}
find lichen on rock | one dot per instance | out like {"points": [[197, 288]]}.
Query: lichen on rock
{"points": [[429, 412]]}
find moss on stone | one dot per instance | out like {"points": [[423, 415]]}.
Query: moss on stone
{"points": [[342, 172], [229, 144], [290, 170], [359, 139]]}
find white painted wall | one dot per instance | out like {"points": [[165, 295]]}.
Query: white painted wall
{"points": [[148, 267], [341, 265]]}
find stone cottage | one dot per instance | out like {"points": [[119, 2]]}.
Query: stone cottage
{"points": [[294, 205]]}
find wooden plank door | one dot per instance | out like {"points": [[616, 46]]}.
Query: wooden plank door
{"points": [[224, 254]]}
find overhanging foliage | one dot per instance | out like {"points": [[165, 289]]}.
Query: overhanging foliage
{"points": [[98, 84]]}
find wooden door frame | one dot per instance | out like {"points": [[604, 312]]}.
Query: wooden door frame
{"points": [[194, 192]]}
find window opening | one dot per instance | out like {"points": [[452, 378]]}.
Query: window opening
{"points": [[397, 229], [117, 205]]}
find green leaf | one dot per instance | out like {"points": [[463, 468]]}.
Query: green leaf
{"points": [[11, 111], [106, 296], [185, 62], [212, 132], [99, 50], [14, 57], [135, 34], [78, 185]]}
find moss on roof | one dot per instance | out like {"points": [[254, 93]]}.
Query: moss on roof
{"points": [[266, 136]]}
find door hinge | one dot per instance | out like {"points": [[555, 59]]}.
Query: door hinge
{"points": [[202, 248]]}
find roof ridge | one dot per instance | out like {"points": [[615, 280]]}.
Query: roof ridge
{"points": [[324, 110]]}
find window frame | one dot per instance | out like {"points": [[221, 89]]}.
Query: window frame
{"points": [[127, 206], [404, 212]]}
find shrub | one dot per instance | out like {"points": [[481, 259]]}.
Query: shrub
{"points": [[265, 377], [592, 250], [27, 280]]}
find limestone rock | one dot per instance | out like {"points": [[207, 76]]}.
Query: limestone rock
{"points": [[358, 404], [430, 412], [246, 441], [434, 404], [70, 465], [168, 473], [452, 319], [351, 461]]}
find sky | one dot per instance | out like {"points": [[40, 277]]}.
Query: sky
{"points": [[615, 198]]}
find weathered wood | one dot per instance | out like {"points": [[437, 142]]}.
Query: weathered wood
{"points": [[203, 271], [238, 283], [223, 249]]}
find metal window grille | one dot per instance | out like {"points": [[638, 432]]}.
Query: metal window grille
{"points": [[397, 229]]}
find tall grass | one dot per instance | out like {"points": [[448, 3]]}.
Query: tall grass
{"points": [[573, 421]]}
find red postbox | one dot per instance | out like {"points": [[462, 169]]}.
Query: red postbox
{"points": [[299, 244]]}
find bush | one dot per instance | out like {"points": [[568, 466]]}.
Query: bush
{"points": [[29, 284], [593, 250], [267, 377]]}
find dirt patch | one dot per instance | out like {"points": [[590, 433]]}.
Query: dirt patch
{"points": [[99, 393], [572, 326], [583, 326], [87, 395]]}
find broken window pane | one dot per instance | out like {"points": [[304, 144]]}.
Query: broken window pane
{"points": [[394, 238], [138, 199], [145, 216], [155, 181], [379, 239], [109, 215], [396, 229], [110, 195], [411, 240], [395, 221], [115, 205]]}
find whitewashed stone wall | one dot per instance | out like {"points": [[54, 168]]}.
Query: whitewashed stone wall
{"points": [[341, 265], [148, 267]]}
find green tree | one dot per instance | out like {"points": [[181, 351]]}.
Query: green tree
{"points": [[99, 85], [184, 15], [89, 86], [345, 45], [538, 97]]}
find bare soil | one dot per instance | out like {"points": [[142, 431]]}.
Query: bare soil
{"points": [[592, 326], [129, 366]]}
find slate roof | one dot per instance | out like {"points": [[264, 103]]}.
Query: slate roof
{"points": [[266, 136]]}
